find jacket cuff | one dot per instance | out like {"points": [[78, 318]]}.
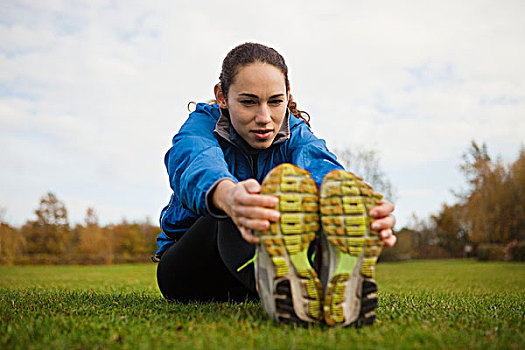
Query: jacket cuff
{"points": [[212, 210]]}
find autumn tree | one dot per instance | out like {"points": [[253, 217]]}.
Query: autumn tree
{"points": [[50, 232], [129, 240], [449, 230], [94, 245], [12, 244], [517, 190], [493, 206]]}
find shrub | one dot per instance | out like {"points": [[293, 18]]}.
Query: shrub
{"points": [[491, 252], [518, 251]]}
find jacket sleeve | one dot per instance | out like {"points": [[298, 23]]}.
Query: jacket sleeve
{"points": [[196, 163], [311, 153]]}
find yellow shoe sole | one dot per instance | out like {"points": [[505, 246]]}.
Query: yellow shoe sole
{"points": [[353, 248], [297, 289]]}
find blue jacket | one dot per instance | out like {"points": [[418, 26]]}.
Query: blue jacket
{"points": [[207, 150]]}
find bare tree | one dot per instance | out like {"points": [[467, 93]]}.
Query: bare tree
{"points": [[366, 164]]}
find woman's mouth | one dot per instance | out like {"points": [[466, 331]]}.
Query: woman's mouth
{"points": [[262, 134]]}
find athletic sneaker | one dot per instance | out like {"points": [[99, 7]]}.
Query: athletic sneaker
{"points": [[349, 249], [289, 287]]}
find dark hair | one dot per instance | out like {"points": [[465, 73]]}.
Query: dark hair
{"points": [[248, 53]]}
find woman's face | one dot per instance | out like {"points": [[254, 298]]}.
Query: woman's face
{"points": [[257, 102]]}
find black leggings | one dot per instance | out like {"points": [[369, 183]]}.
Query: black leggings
{"points": [[203, 264]]}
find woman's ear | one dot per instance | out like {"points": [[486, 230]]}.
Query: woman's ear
{"points": [[219, 96]]}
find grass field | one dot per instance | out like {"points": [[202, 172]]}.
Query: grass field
{"points": [[423, 304]]}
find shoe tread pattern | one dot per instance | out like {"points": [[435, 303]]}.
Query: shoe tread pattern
{"points": [[345, 201], [287, 240]]}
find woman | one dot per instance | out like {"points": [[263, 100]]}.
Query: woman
{"points": [[212, 225]]}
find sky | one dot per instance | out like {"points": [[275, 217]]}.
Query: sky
{"points": [[92, 92]]}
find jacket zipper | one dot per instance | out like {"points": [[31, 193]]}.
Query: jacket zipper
{"points": [[255, 165]]}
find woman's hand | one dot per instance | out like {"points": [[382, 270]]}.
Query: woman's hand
{"points": [[244, 204], [383, 222]]}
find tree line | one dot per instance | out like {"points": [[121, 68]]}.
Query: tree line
{"points": [[50, 239], [487, 220]]}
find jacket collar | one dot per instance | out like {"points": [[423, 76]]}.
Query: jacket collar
{"points": [[224, 129]]}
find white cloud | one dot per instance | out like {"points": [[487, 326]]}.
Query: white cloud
{"points": [[92, 92]]}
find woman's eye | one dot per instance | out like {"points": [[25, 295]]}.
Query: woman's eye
{"points": [[248, 102], [276, 102]]}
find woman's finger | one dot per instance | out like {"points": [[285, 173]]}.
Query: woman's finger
{"points": [[248, 236], [257, 200], [383, 223], [253, 224], [251, 186], [388, 237], [385, 234], [257, 213], [390, 241], [383, 209]]}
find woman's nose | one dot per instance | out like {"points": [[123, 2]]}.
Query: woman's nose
{"points": [[263, 114]]}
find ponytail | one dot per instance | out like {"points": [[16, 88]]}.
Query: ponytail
{"points": [[292, 106]]}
